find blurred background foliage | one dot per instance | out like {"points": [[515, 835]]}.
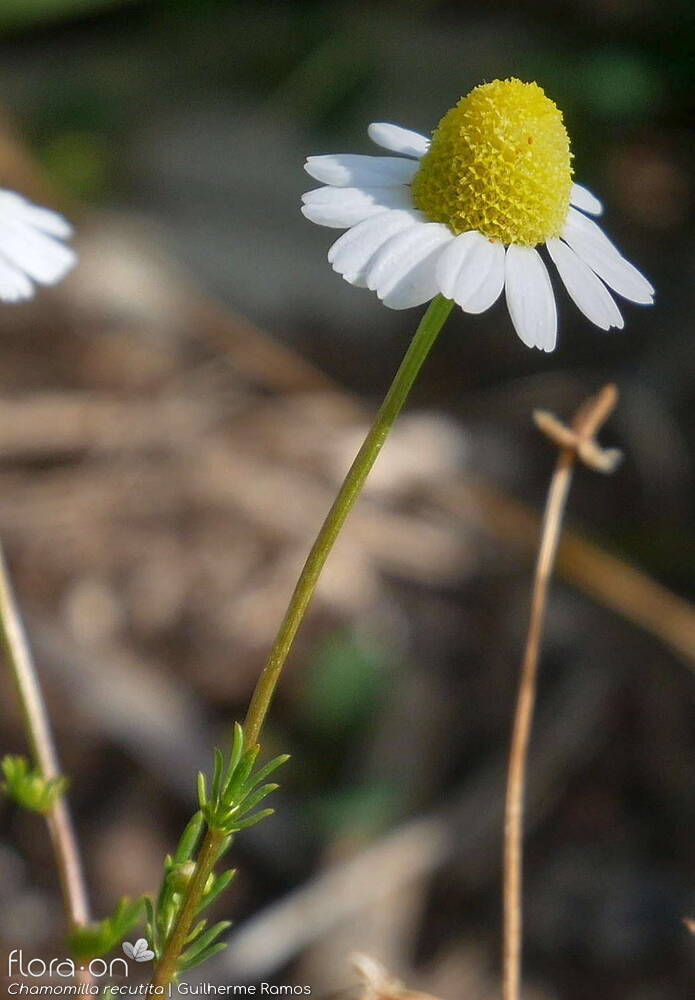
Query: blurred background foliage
{"points": [[186, 122]]}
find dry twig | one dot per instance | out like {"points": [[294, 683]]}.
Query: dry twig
{"points": [[576, 441], [378, 984]]}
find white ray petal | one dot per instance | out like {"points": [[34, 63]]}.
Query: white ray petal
{"points": [[593, 246], [586, 290], [403, 272], [14, 206], [582, 198], [471, 271], [340, 207], [352, 253], [14, 284], [355, 170], [398, 139], [530, 298], [456, 255], [40, 256]]}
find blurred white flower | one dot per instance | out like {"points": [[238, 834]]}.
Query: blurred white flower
{"points": [[461, 215], [31, 251]]}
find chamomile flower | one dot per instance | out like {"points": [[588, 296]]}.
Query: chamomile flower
{"points": [[31, 251], [465, 213]]}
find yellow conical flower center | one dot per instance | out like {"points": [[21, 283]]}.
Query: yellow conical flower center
{"points": [[500, 163]]}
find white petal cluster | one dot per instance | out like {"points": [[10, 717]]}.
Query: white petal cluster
{"points": [[396, 251], [31, 251]]}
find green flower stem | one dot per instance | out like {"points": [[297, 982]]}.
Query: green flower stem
{"points": [[205, 862], [420, 346], [427, 332]]}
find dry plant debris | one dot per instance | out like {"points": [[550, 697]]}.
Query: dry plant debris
{"points": [[378, 984]]}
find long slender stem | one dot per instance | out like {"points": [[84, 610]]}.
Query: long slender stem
{"points": [[43, 750], [420, 346], [523, 720]]}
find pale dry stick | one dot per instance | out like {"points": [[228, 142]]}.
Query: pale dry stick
{"points": [[43, 749], [574, 442]]}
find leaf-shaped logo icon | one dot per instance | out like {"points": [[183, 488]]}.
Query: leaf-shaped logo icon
{"points": [[139, 951]]}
